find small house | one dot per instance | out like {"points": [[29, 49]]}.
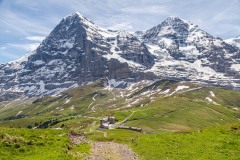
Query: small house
{"points": [[107, 122]]}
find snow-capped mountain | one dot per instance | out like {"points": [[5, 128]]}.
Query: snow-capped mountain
{"points": [[77, 52], [185, 51], [234, 41]]}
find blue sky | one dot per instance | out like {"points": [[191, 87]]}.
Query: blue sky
{"points": [[24, 23]]}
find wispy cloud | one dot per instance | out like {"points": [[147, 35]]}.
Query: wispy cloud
{"points": [[23, 25], [145, 9], [122, 26], [35, 38], [3, 48], [9, 25], [8, 55], [27, 47]]}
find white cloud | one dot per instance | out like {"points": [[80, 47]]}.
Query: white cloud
{"points": [[27, 47], [7, 55], [146, 9], [35, 38], [3, 48], [122, 26], [22, 23]]}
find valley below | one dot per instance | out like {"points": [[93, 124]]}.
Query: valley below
{"points": [[179, 120]]}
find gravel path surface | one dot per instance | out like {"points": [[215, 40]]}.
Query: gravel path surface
{"points": [[111, 151]]}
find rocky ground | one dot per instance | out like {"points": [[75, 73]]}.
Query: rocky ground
{"points": [[105, 150], [110, 151]]}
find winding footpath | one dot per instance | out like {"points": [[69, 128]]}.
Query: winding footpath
{"points": [[111, 151]]}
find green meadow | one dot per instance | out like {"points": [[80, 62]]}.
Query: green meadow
{"points": [[183, 125]]}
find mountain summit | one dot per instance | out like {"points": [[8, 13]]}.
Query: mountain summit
{"points": [[184, 50], [171, 26], [77, 52]]}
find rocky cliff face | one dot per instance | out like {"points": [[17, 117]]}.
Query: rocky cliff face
{"points": [[77, 52]]}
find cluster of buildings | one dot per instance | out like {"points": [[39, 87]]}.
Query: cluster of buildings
{"points": [[109, 123]]}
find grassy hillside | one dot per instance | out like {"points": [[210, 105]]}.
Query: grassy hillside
{"points": [[215, 144], [153, 106], [173, 115], [180, 113], [39, 144], [212, 143]]}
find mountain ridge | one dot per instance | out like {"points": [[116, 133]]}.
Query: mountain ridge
{"points": [[77, 52]]}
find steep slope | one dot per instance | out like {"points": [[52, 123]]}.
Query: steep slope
{"points": [[187, 52], [76, 52]]}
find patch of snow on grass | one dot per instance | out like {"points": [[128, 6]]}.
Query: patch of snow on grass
{"points": [[72, 107], [166, 91], [181, 88], [94, 97], [18, 113], [212, 94], [178, 89], [211, 101], [90, 105], [68, 100], [57, 128], [121, 94]]}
